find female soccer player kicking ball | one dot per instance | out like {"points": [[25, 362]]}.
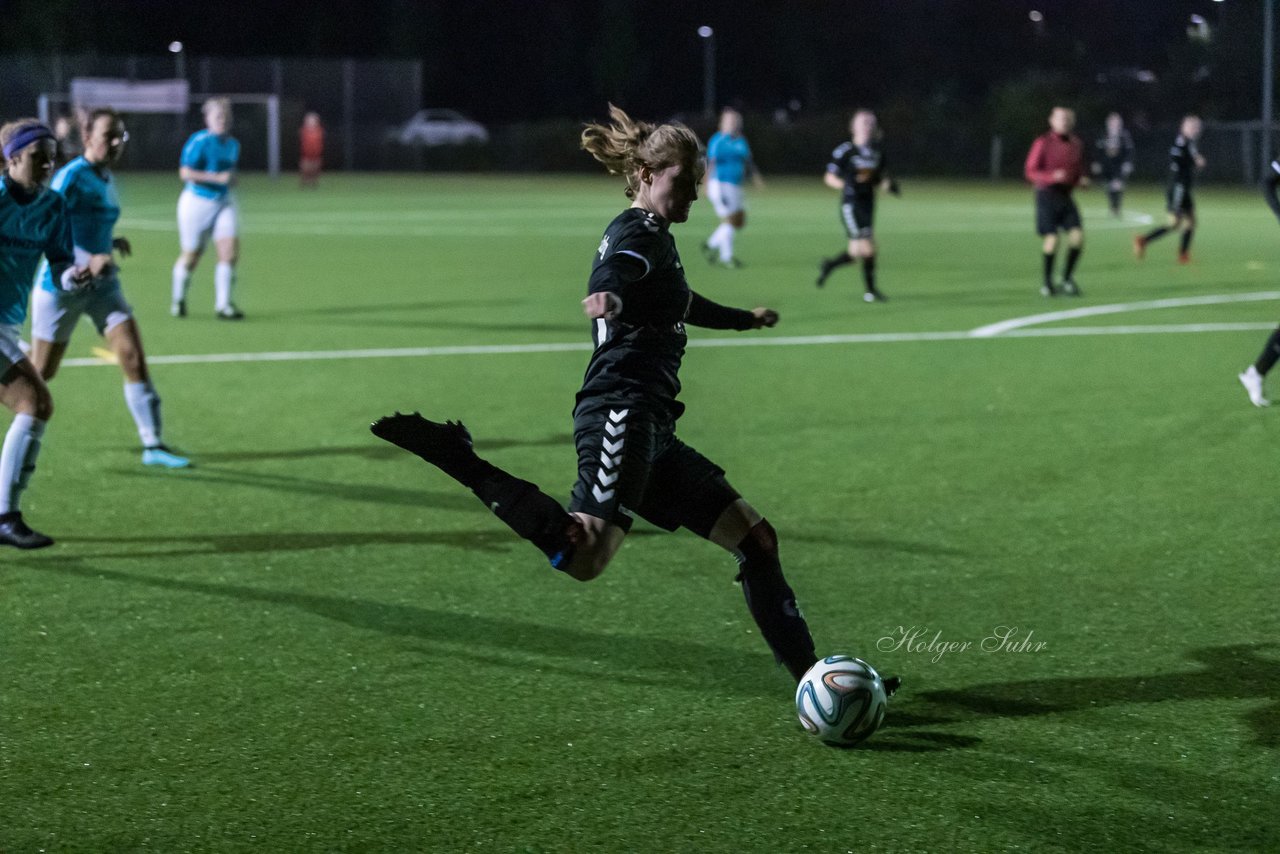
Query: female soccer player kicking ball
{"points": [[630, 462], [93, 207], [33, 222]]}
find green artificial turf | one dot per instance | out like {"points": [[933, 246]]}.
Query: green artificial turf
{"points": [[314, 642]]}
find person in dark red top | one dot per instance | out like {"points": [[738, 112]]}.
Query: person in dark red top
{"points": [[1055, 165], [311, 150]]}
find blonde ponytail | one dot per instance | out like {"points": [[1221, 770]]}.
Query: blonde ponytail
{"points": [[625, 146]]}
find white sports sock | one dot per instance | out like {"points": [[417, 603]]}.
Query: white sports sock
{"points": [[726, 242], [224, 278], [144, 406], [18, 458], [181, 280]]}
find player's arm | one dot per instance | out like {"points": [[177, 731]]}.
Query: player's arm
{"points": [[60, 253], [1034, 170], [199, 176], [1271, 189], [618, 288], [711, 315], [832, 179]]}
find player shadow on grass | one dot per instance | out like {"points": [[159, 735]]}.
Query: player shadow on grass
{"points": [[371, 451], [180, 545], [1235, 672], [628, 659]]}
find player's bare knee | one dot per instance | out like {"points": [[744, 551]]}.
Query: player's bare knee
{"points": [[763, 535]]}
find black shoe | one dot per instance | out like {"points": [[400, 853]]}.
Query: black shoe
{"points": [[14, 532], [824, 270], [446, 446], [1048, 291], [891, 685], [230, 313], [1071, 289], [179, 308]]}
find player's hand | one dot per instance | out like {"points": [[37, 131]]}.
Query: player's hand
{"points": [[1059, 175], [76, 278], [100, 265], [223, 177], [123, 246], [1200, 161], [764, 317], [603, 304]]}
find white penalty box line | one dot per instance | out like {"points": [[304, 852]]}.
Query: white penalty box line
{"points": [[1018, 327]]}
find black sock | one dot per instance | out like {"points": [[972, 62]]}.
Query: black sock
{"points": [[838, 260], [1073, 255], [1186, 239], [869, 273], [531, 513], [1048, 269], [771, 601], [1270, 353], [1154, 233]]}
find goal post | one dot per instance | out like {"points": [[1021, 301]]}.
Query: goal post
{"points": [[160, 96]]}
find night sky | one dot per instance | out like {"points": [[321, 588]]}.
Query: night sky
{"points": [[506, 61]]}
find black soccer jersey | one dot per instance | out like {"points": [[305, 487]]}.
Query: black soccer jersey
{"points": [[638, 352], [1114, 154], [1182, 161], [861, 167]]}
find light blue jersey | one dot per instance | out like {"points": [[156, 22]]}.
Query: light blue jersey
{"points": [[93, 208], [208, 152], [28, 231], [729, 156]]}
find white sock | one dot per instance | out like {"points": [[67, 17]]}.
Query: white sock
{"points": [[719, 236], [726, 242], [224, 277], [144, 406], [18, 458], [181, 280]]}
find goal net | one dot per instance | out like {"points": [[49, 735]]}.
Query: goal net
{"points": [[161, 114]]}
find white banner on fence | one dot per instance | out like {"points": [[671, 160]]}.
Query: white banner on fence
{"points": [[132, 96]]}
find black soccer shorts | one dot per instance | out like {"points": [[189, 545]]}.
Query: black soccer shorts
{"points": [[856, 213], [630, 463], [1055, 209], [1178, 199]]}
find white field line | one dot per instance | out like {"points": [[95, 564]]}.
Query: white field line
{"points": [[1005, 326], [795, 341]]}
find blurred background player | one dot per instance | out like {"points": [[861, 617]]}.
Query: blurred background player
{"points": [[1055, 166], [33, 223], [1253, 376], [630, 462], [1184, 161], [93, 207], [207, 207], [729, 162], [1113, 160], [311, 150], [67, 136], [857, 170]]}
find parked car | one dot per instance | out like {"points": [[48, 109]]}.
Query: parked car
{"points": [[439, 127]]}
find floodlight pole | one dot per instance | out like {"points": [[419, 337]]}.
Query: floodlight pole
{"points": [[1268, 79], [708, 70]]}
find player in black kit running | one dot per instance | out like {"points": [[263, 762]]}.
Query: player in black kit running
{"points": [[630, 462]]}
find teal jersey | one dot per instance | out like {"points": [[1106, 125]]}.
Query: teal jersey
{"points": [[40, 226], [729, 156], [93, 208], [208, 152]]}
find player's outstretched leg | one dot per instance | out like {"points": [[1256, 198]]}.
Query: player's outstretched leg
{"points": [[1253, 376], [524, 508], [829, 265], [771, 601]]}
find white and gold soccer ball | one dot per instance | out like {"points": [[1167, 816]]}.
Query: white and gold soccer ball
{"points": [[841, 700]]}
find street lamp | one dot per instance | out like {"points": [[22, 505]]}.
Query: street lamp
{"points": [[179, 59], [708, 37]]}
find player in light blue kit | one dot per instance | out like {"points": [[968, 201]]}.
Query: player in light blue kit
{"points": [[207, 208], [93, 208], [33, 223], [728, 165]]}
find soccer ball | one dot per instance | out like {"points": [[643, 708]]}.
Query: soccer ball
{"points": [[841, 700]]}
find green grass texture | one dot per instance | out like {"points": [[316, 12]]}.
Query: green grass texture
{"points": [[312, 641]]}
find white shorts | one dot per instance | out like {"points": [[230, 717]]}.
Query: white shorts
{"points": [[725, 198], [54, 315], [198, 218], [10, 351]]}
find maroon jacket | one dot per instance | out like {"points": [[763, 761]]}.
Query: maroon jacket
{"points": [[1051, 152]]}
